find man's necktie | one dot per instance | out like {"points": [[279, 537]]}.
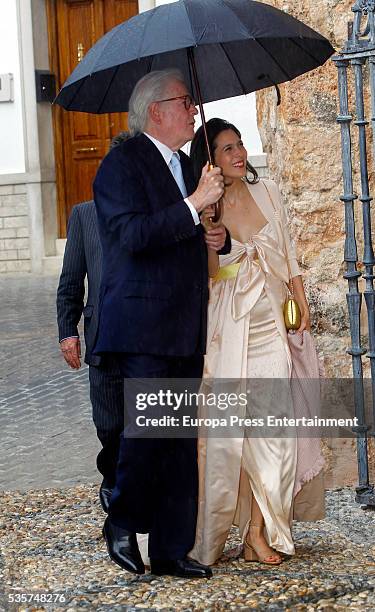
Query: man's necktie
{"points": [[175, 166]]}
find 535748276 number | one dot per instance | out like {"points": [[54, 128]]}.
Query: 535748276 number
{"points": [[36, 597]]}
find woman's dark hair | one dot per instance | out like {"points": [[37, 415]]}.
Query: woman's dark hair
{"points": [[198, 149]]}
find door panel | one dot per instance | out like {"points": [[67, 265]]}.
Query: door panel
{"points": [[116, 11], [81, 139]]}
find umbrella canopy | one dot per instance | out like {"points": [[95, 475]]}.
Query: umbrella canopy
{"points": [[239, 46]]}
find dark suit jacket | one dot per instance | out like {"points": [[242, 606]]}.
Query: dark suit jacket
{"points": [[155, 282], [83, 257]]}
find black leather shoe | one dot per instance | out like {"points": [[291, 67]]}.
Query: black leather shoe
{"points": [[105, 494], [123, 547], [183, 568]]}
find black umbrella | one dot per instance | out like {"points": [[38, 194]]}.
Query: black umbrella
{"points": [[224, 48]]}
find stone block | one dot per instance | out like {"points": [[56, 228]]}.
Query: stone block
{"points": [[12, 200], [19, 188], [60, 246], [52, 265], [15, 266], [24, 254], [6, 189], [8, 233], [16, 222], [17, 243], [22, 232], [17, 210], [6, 255]]}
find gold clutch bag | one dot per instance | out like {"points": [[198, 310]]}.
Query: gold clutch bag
{"points": [[292, 314]]}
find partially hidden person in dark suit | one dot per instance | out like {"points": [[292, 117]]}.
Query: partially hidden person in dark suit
{"points": [[153, 309], [83, 260]]}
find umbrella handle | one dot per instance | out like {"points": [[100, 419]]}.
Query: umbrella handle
{"points": [[218, 206]]}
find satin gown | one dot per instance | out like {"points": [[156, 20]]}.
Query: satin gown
{"points": [[247, 340]]}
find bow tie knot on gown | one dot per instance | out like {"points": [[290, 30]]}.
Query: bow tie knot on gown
{"points": [[259, 257]]}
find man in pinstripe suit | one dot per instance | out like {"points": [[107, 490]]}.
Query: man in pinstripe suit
{"points": [[83, 258]]}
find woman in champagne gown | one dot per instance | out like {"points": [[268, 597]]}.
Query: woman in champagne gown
{"points": [[248, 481]]}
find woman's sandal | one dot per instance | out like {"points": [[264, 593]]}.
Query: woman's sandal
{"points": [[251, 555]]}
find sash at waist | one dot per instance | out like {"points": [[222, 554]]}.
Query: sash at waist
{"points": [[227, 272]]}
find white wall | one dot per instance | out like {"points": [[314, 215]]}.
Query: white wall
{"points": [[12, 155], [145, 5], [241, 111]]}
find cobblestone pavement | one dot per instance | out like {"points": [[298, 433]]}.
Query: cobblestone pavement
{"points": [[46, 434], [51, 545]]}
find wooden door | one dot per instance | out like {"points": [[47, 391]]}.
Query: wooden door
{"points": [[115, 12], [81, 139]]}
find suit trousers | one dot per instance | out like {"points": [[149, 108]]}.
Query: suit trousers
{"points": [[156, 488], [107, 400]]}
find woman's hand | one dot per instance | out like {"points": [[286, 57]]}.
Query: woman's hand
{"points": [[215, 238], [305, 320], [300, 297]]}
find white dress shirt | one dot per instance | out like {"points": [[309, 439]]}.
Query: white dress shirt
{"points": [[167, 156]]}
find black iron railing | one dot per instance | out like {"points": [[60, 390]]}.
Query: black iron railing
{"points": [[357, 55]]}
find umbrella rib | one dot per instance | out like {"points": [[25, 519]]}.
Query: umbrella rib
{"points": [[188, 18], [289, 78], [305, 51], [111, 34], [233, 67], [81, 82], [225, 3], [108, 87], [165, 7], [146, 25], [236, 16], [190, 76]]}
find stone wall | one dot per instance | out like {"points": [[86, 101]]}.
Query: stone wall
{"points": [[14, 229], [302, 140]]}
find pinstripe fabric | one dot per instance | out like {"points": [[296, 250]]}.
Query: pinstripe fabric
{"points": [[83, 258], [107, 400]]}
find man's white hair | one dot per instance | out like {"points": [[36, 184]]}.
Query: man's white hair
{"points": [[149, 88]]}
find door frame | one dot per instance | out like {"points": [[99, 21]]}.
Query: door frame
{"points": [[57, 119], [58, 115]]}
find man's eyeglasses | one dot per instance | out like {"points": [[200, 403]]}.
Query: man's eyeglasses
{"points": [[188, 100]]}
